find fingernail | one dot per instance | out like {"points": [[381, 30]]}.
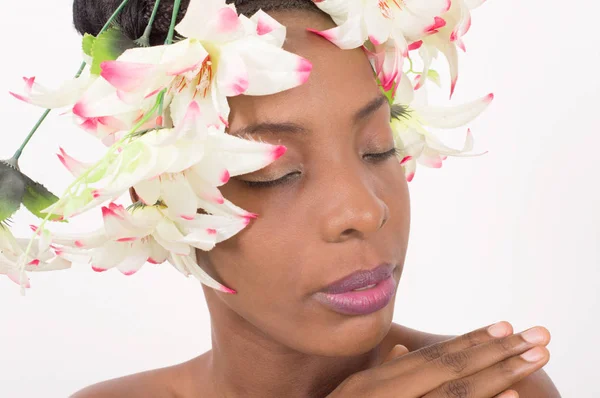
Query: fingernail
{"points": [[533, 355], [533, 336], [499, 329], [508, 394]]}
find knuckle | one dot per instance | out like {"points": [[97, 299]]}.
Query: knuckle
{"points": [[460, 388], [507, 369], [455, 362], [505, 344], [470, 339], [433, 352]]}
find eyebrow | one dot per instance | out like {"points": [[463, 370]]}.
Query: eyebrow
{"points": [[293, 128], [370, 108]]}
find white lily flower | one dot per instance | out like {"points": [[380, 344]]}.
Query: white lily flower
{"points": [[415, 117], [43, 256], [390, 25], [224, 55], [129, 239]]}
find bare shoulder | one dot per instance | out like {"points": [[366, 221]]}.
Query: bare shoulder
{"points": [[164, 382], [536, 385], [152, 383]]}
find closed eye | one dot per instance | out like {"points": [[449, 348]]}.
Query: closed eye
{"points": [[384, 155], [265, 184]]}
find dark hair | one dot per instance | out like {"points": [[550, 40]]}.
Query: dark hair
{"points": [[89, 16]]}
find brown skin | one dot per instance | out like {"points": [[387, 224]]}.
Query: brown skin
{"points": [[343, 212]]}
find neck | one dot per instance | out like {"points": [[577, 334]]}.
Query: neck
{"points": [[245, 362]]}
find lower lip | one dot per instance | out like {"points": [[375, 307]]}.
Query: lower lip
{"points": [[360, 302]]}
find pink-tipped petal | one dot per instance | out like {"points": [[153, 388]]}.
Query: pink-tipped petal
{"points": [[415, 45], [304, 70], [128, 273], [373, 39], [437, 24], [225, 176], [225, 289], [452, 87], [278, 152], [73, 165], [405, 159], [126, 76], [29, 81], [448, 5], [325, 34], [228, 20], [20, 97], [263, 28]]}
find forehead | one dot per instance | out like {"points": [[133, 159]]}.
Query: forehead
{"points": [[341, 81]]}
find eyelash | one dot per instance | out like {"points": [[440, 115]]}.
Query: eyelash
{"points": [[377, 157]]}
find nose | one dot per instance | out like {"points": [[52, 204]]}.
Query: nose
{"points": [[352, 207]]}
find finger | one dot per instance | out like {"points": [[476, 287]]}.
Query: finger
{"points": [[508, 394], [396, 352], [496, 378], [460, 364], [426, 354]]}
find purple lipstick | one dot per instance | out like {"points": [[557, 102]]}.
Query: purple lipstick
{"points": [[360, 293]]}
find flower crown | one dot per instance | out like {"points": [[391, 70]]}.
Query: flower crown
{"points": [[162, 113]]}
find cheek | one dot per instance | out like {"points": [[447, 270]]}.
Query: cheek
{"points": [[259, 260]]}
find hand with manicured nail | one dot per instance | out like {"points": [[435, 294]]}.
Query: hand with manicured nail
{"points": [[481, 364]]}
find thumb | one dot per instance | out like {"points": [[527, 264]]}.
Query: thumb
{"points": [[396, 352]]}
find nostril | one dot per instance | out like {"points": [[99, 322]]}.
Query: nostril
{"points": [[348, 232], [383, 222]]}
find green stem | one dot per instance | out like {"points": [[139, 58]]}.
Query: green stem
{"points": [[144, 41], [80, 70], [19, 151], [411, 65], [173, 21], [113, 16]]}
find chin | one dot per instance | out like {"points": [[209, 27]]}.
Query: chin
{"points": [[349, 335]]}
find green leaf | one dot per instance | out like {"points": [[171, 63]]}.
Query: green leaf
{"points": [[87, 44], [12, 189], [108, 46], [434, 77], [38, 198]]}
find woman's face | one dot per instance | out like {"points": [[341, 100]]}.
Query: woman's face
{"points": [[338, 209]]}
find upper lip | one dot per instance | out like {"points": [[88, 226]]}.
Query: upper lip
{"points": [[360, 279]]}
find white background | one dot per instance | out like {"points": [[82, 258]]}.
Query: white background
{"points": [[512, 235]]}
